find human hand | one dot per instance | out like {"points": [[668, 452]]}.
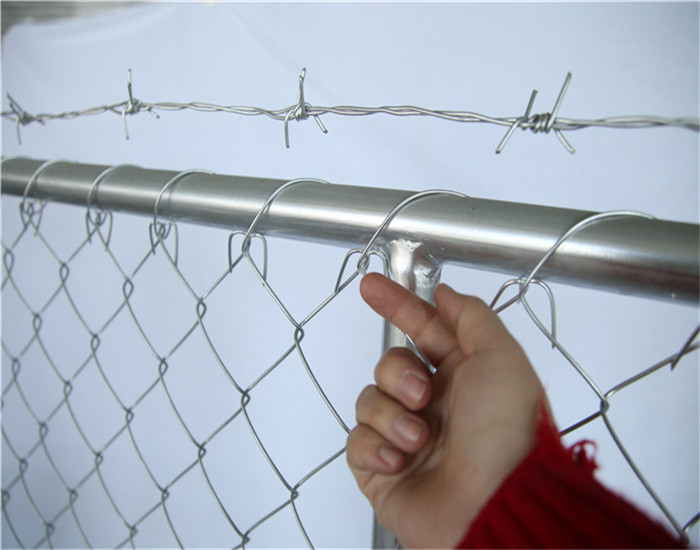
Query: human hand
{"points": [[429, 450]]}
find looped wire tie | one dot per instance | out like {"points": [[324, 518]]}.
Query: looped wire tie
{"points": [[540, 123], [96, 216], [158, 231], [266, 206], [525, 282], [300, 110], [250, 233], [134, 106], [27, 209], [362, 261], [245, 249], [520, 296], [360, 269], [576, 228]]}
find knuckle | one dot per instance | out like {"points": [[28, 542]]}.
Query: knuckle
{"points": [[375, 410], [393, 370], [394, 359], [477, 305], [359, 447], [353, 454], [363, 401], [352, 444]]}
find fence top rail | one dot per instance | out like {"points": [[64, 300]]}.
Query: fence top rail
{"points": [[630, 255]]}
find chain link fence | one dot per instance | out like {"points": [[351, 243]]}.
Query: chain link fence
{"points": [[154, 394]]}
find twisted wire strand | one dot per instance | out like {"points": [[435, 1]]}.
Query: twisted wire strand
{"points": [[302, 110]]}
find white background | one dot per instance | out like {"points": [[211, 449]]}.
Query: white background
{"points": [[626, 59]]}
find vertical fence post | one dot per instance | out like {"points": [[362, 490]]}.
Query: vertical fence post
{"points": [[411, 267]]}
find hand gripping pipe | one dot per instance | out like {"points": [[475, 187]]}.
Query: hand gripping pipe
{"points": [[630, 255]]}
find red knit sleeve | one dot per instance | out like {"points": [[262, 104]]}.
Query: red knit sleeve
{"points": [[552, 500]]}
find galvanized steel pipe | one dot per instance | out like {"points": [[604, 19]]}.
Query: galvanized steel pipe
{"points": [[637, 256]]}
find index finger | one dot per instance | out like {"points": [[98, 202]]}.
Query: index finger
{"points": [[415, 317]]}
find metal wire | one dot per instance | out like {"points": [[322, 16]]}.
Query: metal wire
{"points": [[301, 110], [163, 242], [690, 345]]}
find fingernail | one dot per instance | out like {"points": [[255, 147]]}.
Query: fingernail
{"points": [[412, 386], [408, 428], [389, 455]]}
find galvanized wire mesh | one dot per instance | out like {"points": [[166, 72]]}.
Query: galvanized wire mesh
{"points": [[150, 440], [140, 378]]}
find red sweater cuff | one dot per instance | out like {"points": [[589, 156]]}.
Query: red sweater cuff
{"points": [[552, 500]]}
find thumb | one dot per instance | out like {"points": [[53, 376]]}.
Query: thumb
{"points": [[474, 324]]}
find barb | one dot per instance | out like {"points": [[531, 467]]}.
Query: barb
{"points": [[302, 110], [540, 123], [22, 117], [516, 123], [133, 106]]}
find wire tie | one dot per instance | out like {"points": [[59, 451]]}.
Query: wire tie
{"points": [[517, 122]]}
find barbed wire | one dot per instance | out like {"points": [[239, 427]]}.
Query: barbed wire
{"points": [[302, 110]]}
